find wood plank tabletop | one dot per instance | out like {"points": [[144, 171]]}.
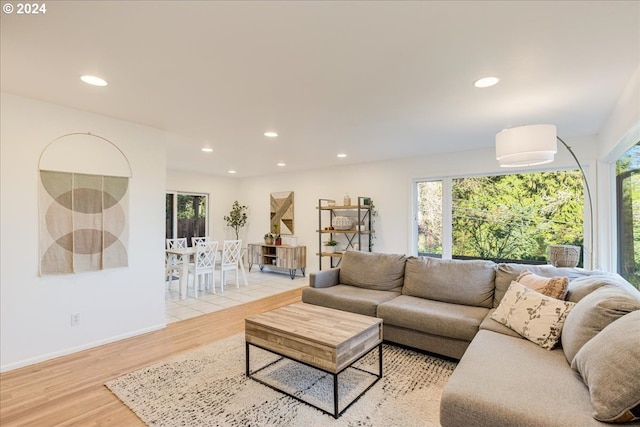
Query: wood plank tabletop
{"points": [[316, 323]]}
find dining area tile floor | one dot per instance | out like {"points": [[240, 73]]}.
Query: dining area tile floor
{"points": [[260, 284]]}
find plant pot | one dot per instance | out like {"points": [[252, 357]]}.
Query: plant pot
{"points": [[329, 249], [268, 240], [564, 255]]}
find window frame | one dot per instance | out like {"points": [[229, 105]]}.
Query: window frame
{"points": [[447, 211], [616, 249], [174, 213]]}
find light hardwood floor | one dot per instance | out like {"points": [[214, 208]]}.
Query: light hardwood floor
{"points": [[70, 391]]}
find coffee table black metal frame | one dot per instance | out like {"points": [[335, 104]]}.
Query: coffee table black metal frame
{"points": [[336, 413]]}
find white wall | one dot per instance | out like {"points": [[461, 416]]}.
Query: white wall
{"points": [[388, 183], [620, 131], [113, 304], [622, 128]]}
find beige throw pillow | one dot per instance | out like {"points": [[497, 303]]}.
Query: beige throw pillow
{"points": [[535, 316], [555, 287]]}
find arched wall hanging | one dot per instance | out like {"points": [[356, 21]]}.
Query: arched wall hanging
{"points": [[83, 205]]}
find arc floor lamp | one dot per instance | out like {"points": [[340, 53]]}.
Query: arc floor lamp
{"points": [[536, 145]]}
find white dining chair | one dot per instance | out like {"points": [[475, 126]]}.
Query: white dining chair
{"points": [[231, 250], [204, 266], [196, 240], [172, 263]]}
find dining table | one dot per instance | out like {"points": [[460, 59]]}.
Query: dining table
{"points": [[185, 255]]}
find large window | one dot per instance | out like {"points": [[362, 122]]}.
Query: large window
{"points": [[504, 218], [429, 217], [186, 215], [628, 208]]}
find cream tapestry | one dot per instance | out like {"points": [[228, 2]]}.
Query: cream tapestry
{"points": [[83, 222]]}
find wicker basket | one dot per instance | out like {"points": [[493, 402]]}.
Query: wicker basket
{"points": [[564, 255], [342, 223]]}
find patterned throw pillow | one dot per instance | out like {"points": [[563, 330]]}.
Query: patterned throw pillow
{"points": [[554, 287], [535, 316]]}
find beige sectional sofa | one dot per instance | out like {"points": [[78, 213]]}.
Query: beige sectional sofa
{"points": [[447, 307]]}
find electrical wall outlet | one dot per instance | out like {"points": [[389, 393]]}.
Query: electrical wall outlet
{"points": [[75, 319]]}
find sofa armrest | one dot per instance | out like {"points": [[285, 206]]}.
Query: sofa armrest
{"points": [[324, 278]]}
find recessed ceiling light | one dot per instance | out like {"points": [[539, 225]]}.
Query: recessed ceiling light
{"points": [[207, 150], [281, 164], [93, 80], [271, 134], [341, 155], [231, 171], [486, 82]]}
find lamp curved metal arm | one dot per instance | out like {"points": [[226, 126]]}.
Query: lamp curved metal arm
{"points": [[586, 184]]}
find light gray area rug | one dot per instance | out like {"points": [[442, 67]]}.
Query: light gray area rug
{"points": [[208, 387]]}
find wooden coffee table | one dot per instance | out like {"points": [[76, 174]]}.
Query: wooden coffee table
{"points": [[327, 339]]}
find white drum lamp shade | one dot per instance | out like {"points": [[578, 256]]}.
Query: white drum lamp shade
{"points": [[536, 145], [526, 146]]}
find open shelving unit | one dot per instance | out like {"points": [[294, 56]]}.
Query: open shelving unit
{"points": [[355, 238]]}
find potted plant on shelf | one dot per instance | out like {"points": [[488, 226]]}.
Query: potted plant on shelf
{"points": [[276, 234], [268, 239], [330, 246], [237, 218]]}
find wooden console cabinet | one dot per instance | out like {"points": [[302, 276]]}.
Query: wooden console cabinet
{"points": [[292, 258]]}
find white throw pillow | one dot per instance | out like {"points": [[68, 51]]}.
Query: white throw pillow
{"points": [[535, 316]]}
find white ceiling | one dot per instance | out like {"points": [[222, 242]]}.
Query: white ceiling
{"points": [[373, 79]]}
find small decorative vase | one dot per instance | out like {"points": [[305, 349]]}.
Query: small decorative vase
{"points": [[279, 241], [347, 200]]}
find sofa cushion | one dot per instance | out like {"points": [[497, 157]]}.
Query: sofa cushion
{"points": [[583, 286], [454, 281], [491, 325], [324, 278], [508, 272], [348, 298], [554, 287], [503, 381], [592, 314], [609, 365], [382, 272], [433, 317], [537, 317]]}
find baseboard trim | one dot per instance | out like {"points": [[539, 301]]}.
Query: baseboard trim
{"points": [[67, 351]]}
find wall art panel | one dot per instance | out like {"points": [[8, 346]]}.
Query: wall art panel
{"points": [[282, 211], [83, 222]]}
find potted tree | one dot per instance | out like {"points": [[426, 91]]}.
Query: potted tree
{"points": [[237, 218]]}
